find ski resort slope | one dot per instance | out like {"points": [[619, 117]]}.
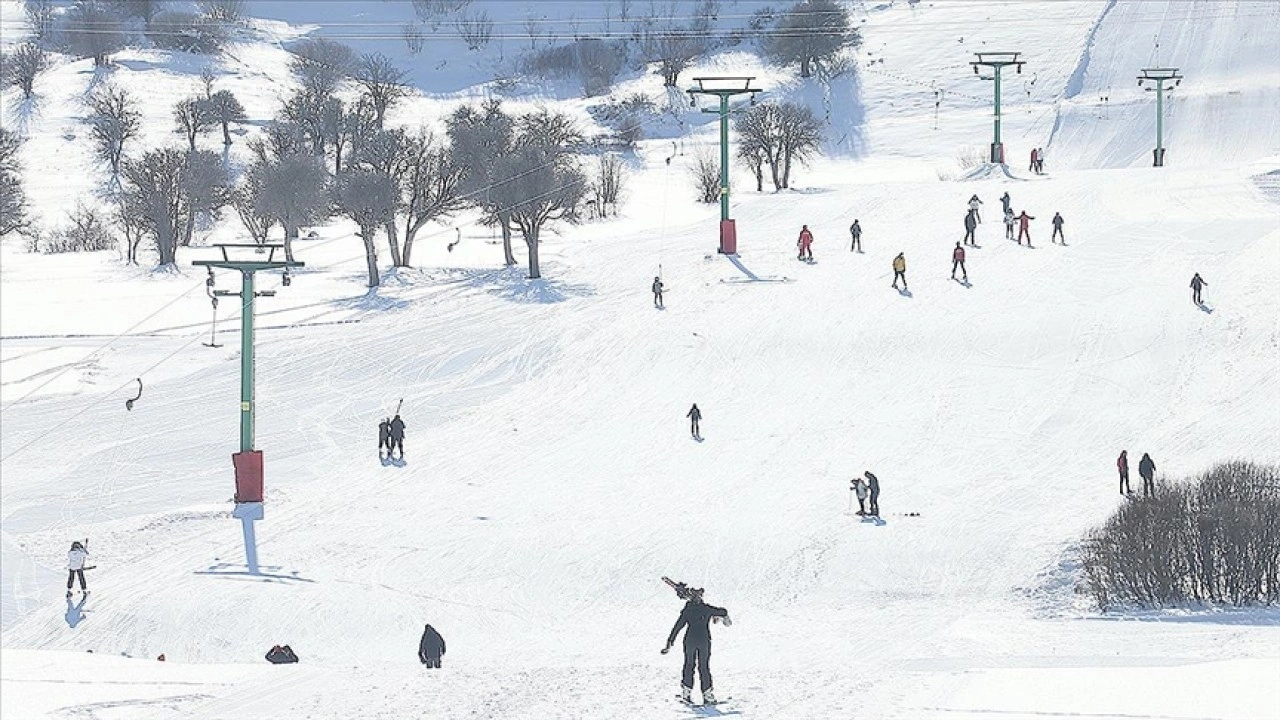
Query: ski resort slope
{"points": [[550, 477]]}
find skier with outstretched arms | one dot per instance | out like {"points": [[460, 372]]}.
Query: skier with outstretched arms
{"points": [[695, 619]]}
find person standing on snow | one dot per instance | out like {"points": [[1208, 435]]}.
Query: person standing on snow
{"points": [[1007, 203], [1034, 156], [970, 225], [657, 292], [860, 490], [430, 647], [873, 484], [1008, 224], [1197, 282], [76, 558], [957, 261], [1040, 161], [805, 243], [1122, 464], [900, 271], [396, 434], [695, 416], [695, 619], [856, 231], [384, 435], [1147, 469], [974, 202], [1024, 227], [1057, 229]]}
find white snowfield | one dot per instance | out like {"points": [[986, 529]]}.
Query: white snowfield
{"points": [[551, 479]]}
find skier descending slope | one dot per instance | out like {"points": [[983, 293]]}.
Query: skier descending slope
{"points": [[695, 619], [970, 225], [957, 261], [1024, 227], [900, 271], [1006, 203], [1008, 224], [1197, 282], [974, 202], [695, 417], [76, 558], [856, 231], [805, 243], [397, 436], [384, 435], [657, 293]]}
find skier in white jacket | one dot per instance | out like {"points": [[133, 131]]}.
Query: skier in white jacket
{"points": [[76, 558]]}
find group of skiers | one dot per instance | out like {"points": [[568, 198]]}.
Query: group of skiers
{"points": [[1146, 470], [1023, 220], [391, 436], [1037, 161], [864, 489]]}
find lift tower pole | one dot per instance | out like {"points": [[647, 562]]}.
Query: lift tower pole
{"points": [[997, 61], [248, 462], [1160, 76], [724, 88]]}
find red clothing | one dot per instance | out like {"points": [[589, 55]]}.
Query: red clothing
{"points": [[1024, 219], [958, 254], [1122, 463], [806, 238]]}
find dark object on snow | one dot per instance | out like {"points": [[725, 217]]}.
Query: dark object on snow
{"points": [[695, 416], [396, 435], [1024, 227], [160, 657], [695, 619], [430, 647], [657, 292], [957, 261], [873, 483], [970, 225], [1197, 282], [384, 434], [128, 404], [683, 591], [1147, 469], [856, 231], [77, 556], [1007, 203], [281, 655], [900, 271], [1057, 229], [1122, 464], [805, 243]]}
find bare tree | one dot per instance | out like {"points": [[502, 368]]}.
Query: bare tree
{"points": [[115, 120], [388, 153], [145, 10], [206, 189], [778, 134], [429, 189], [41, 15], [610, 181], [382, 81], [706, 175], [249, 204], [674, 49], [166, 189], [599, 62], [93, 29], [480, 136], [192, 118], [414, 38], [132, 226], [538, 186], [368, 197], [223, 108], [320, 64], [13, 202], [207, 79], [87, 231], [23, 66], [187, 32], [227, 11], [475, 29], [534, 28], [810, 32], [752, 155], [295, 193]]}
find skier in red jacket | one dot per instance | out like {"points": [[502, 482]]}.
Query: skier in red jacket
{"points": [[805, 242], [1024, 227], [957, 261], [1122, 464]]}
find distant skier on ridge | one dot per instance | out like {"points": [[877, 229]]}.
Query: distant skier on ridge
{"points": [[695, 619], [1147, 469]]}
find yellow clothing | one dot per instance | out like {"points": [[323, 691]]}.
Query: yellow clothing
{"points": [[899, 264]]}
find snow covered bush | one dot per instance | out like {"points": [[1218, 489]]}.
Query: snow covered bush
{"points": [[706, 175], [1214, 539], [88, 231]]}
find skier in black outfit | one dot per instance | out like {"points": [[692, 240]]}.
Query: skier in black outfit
{"points": [[1147, 469], [970, 224], [396, 429], [1057, 229], [694, 415], [1007, 203], [856, 231], [1197, 282], [384, 435], [873, 482], [657, 292], [696, 618], [430, 647]]}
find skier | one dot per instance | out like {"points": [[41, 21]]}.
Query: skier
{"points": [[805, 243], [1197, 282], [696, 619], [1024, 227], [1007, 203], [396, 434], [1122, 464], [856, 231], [900, 271], [860, 490], [76, 558], [1040, 161], [873, 483], [1008, 224], [1147, 469], [657, 293], [957, 261], [1034, 156], [974, 202], [430, 647], [1057, 228], [384, 435], [694, 415], [970, 225]]}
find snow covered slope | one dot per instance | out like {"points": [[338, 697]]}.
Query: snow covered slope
{"points": [[551, 480]]}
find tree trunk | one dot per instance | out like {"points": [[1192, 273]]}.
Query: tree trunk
{"points": [[226, 134], [370, 255], [393, 241], [531, 239], [773, 173], [758, 167], [786, 168], [509, 257], [290, 230], [805, 64], [189, 231], [191, 140], [288, 247], [166, 244], [410, 232]]}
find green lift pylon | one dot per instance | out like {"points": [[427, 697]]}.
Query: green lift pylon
{"points": [[724, 88], [1160, 76], [997, 61], [248, 462]]}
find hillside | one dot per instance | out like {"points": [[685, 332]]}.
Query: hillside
{"points": [[550, 478]]}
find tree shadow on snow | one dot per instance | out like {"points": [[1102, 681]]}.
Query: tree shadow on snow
{"points": [[371, 301], [1269, 617], [75, 612], [514, 285]]}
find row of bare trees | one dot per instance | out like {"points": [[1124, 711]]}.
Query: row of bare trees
{"points": [[1213, 539]]}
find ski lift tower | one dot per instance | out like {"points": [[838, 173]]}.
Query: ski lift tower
{"points": [[1160, 76], [248, 462], [997, 61], [724, 88]]}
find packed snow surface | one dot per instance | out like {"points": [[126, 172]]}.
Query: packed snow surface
{"points": [[550, 478]]}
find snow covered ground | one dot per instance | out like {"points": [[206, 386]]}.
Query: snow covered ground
{"points": [[550, 478]]}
